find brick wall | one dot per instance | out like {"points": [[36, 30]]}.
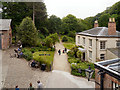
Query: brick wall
{"points": [[107, 80], [111, 28]]}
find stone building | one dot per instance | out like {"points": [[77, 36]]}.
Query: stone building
{"points": [[5, 33], [107, 74], [98, 41]]}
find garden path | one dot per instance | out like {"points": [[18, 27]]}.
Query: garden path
{"points": [[60, 61], [61, 77]]}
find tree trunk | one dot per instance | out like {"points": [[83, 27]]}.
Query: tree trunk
{"points": [[33, 13]]}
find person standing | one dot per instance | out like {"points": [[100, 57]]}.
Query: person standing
{"points": [[16, 88], [39, 85], [65, 49], [30, 87], [59, 51]]}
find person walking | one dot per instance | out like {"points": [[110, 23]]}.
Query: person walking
{"points": [[30, 87], [39, 85], [59, 51], [65, 49], [16, 88]]}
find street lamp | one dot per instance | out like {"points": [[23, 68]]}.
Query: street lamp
{"points": [[89, 73]]}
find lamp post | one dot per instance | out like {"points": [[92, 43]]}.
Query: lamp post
{"points": [[89, 73]]}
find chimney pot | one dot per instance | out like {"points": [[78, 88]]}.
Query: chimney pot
{"points": [[96, 24]]}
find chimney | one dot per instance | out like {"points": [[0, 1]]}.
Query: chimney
{"points": [[112, 26], [96, 24]]}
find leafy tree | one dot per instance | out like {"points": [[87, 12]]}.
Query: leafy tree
{"points": [[27, 32], [54, 25], [79, 54]]}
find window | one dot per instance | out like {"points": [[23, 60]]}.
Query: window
{"points": [[79, 39], [90, 42], [102, 56], [83, 41], [102, 44], [90, 54], [115, 86], [118, 43]]}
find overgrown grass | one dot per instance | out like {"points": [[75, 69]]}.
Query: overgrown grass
{"points": [[69, 45], [44, 59]]}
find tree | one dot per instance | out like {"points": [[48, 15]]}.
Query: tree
{"points": [[69, 23], [27, 32], [54, 24]]}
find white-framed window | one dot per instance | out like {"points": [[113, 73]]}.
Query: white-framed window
{"points": [[90, 42], [115, 86], [118, 43], [90, 54], [83, 41], [102, 44], [102, 56], [79, 39]]}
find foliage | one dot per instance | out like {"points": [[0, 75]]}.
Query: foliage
{"points": [[54, 24], [79, 54], [65, 38], [79, 64], [27, 32], [48, 60], [27, 54], [75, 50], [70, 53], [51, 40], [68, 45]]}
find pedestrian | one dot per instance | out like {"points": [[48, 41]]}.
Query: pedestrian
{"points": [[39, 85], [16, 88], [65, 49], [30, 87], [89, 67], [59, 51]]}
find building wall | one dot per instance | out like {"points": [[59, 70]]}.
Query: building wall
{"points": [[107, 82], [110, 55], [6, 38], [96, 51]]}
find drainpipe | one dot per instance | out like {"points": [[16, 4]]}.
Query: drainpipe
{"points": [[96, 47]]}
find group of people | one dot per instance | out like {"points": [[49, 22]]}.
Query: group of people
{"points": [[18, 52], [64, 50], [39, 86]]}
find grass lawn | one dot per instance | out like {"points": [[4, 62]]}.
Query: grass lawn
{"points": [[68, 45], [46, 59]]}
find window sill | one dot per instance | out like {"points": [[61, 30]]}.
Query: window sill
{"points": [[102, 49], [90, 47]]}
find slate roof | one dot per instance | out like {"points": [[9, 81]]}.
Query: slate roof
{"points": [[111, 67], [115, 51], [5, 24], [98, 31]]}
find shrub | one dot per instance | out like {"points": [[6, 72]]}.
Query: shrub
{"points": [[64, 38], [79, 54], [27, 54], [70, 53]]}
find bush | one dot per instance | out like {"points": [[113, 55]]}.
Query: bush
{"points": [[71, 53], [27, 54], [64, 38], [79, 54]]}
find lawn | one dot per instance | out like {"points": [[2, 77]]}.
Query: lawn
{"points": [[68, 45], [42, 58]]}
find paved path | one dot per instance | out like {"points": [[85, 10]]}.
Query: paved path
{"points": [[61, 77], [16, 71], [60, 61]]}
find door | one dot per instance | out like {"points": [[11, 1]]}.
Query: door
{"points": [[84, 56], [0, 42]]}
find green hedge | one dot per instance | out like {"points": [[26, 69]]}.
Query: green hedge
{"points": [[79, 64], [48, 60]]}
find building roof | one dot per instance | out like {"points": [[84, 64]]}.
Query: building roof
{"points": [[115, 51], [5, 24], [98, 31], [111, 67]]}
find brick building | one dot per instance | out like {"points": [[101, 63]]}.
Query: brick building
{"points": [[107, 74], [5, 33]]}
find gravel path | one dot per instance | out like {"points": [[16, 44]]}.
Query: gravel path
{"points": [[16, 71]]}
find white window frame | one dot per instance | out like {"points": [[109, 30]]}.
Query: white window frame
{"points": [[102, 45], [83, 40], [90, 42], [115, 86], [90, 54], [118, 44], [102, 56], [78, 39]]}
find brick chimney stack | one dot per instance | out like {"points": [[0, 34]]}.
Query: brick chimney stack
{"points": [[112, 26], [96, 24]]}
